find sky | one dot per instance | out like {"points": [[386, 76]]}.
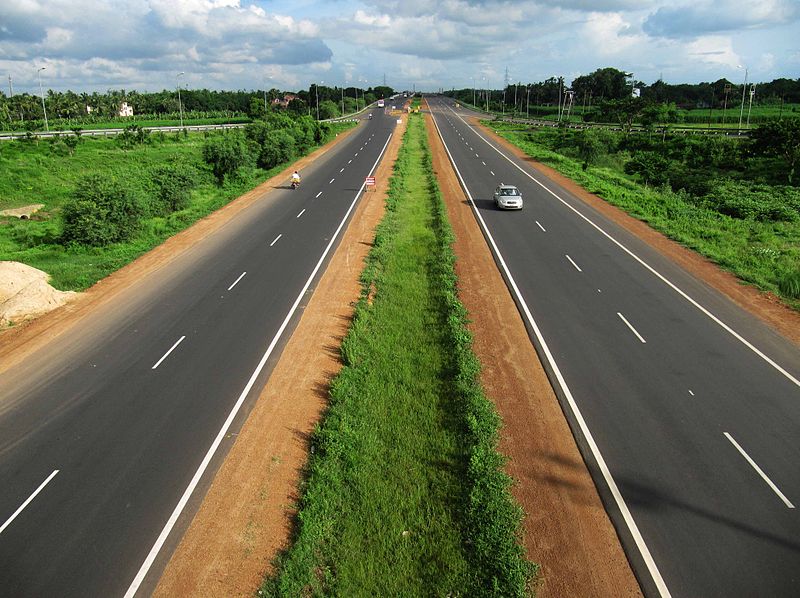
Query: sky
{"points": [[96, 45]]}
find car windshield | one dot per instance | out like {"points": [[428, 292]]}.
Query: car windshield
{"points": [[510, 191]]}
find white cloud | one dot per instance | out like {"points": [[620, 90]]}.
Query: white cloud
{"points": [[715, 50]]}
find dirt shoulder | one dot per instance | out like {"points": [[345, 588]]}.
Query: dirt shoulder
{"points": [[765, 306], [247, 515], [566, 529]]}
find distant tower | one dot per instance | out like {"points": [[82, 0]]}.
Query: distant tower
{"points": [[506, 76]]}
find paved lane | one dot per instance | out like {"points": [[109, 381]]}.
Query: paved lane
{"points": [[676, 395], [127, 408]]}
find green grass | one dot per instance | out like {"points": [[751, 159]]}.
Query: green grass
{"points": [[32, 173], [405, 495], [764, 254]]}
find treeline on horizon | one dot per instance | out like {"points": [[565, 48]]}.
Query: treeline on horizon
{"points": [[607, 84], [69, 105]]}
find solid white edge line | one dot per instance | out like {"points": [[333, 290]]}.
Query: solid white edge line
{"points": [[235, 282], [540, 226], [28, 501], [628, 324], [151, 557], [178, 342], [276, 240], [576, 412], [573, 263], [755, 466], [647, 266], [301, 213], [318, 194]]}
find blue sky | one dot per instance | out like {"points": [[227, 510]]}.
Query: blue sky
{"points": [[88, 45]]}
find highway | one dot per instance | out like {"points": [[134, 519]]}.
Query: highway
{"points": [[110, 435], [685, 407]]}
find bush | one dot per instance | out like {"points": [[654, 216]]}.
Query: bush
{"points": [[279, 147], [789, 284], [650, 166], [172, 185], [225, 153], [749, 201], [101, 211]]}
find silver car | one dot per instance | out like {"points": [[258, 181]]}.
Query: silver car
{"points": [[507, 197]]}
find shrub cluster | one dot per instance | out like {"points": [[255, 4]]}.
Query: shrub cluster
{"points": [[736, 177], [102, 211]]}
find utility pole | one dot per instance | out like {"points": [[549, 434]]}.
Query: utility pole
{"points": [[752, 93]]}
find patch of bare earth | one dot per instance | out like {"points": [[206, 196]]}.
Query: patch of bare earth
{"points": [[247, 515], [566, 529]]}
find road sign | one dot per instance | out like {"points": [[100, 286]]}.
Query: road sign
{"points": [[370, 182]]}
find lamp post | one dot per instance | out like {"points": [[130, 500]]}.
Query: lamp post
{"points": [[316, 91], [41, 93], [744, 88], [473, 91], [750, 105], [178, 85], [528, 101], [342, 99]]}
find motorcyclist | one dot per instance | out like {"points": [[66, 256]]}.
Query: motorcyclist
{"points": [[295, 179]]}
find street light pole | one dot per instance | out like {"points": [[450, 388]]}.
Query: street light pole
{"points": [[180, 106], [316, 91], [750, 105], [41, 93], [528, 101], [744, 89]]}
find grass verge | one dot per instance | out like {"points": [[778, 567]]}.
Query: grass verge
{"points": [[764, 254], [405, 495]]}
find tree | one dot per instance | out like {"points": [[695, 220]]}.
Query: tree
{"points": [[780, 139], [328, 109], [225, 153], [650, 166], [172, 185], [590, 147], [624, 111], [101, 211], [279, 147]]}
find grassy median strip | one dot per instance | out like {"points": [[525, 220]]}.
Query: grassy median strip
{"points": [[405, 495]]}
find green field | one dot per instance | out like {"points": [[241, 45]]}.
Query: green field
{"points": [[404, 495], [712, 196], [44, 172]]}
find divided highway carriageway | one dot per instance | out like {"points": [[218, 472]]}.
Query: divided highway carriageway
{"points": [[106, 433], [686, 408]]}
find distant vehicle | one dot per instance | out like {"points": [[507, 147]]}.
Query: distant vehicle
{"points": [[405, 95], [381, 103], [370, 116], [507, 197]]}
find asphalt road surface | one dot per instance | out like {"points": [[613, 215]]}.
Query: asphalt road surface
{"points": [[686, 408], [104, 434]]}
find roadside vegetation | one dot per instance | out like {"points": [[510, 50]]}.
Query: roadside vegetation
{"points": [[109, 200], [736, 201], [405, 495]]}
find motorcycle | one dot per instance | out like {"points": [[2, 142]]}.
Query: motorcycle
{"points": [[295, 184]]}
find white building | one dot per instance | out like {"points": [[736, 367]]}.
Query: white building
{"points": [[125, 110]]}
